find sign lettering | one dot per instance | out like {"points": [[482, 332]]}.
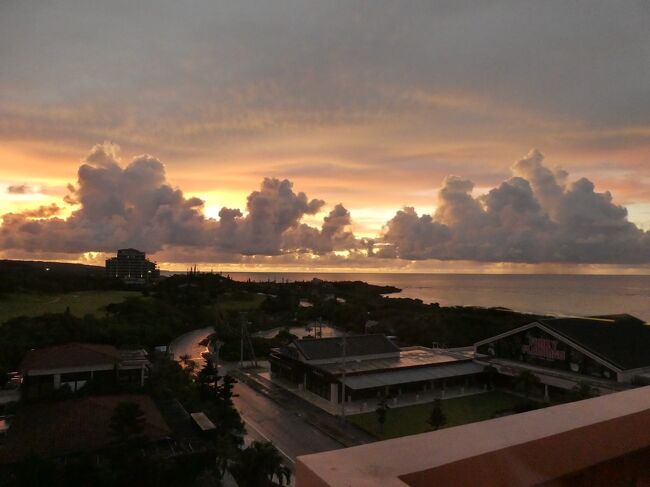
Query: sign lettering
{"points": [[543, 348]]}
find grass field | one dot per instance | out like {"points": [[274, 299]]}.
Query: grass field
{"points": [[240, 301], [410, 420], [80, 303]]}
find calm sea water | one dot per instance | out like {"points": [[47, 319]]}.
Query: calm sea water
{"points": [[576, 295]]}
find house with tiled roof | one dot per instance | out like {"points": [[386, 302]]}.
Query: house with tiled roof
{"points": [[73, 365], [73, 426]]}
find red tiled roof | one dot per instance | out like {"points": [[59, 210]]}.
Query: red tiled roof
{"points": [[76, 425], [69, 355]]}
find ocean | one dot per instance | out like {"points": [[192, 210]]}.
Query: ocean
{"points": [[562, 295]]}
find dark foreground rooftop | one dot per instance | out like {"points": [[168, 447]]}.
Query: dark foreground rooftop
{"points": [[53, 429]]}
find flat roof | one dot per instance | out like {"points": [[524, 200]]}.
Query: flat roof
{"points": [[202, 421], [410, 357], [523, 449], [419, 374]]}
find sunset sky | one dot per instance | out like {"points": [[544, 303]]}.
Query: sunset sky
{"points": [[140, 121]]}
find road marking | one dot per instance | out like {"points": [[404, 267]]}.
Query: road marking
{"points": [[257, 430]]}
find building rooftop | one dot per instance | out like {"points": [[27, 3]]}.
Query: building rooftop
{"points": [[76, 425], [356, 346], [413, 374], [520, 450], [408, 358], [69, 355], [622, 340]]}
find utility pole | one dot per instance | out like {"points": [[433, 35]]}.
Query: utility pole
{"points": [[241, 348], [217, 346], [344, 346]]}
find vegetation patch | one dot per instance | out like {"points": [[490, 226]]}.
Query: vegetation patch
{"points": [[411, 420], [80, 303], [240, 301]]}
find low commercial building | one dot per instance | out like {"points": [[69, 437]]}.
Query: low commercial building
{"points": [[604, 441], [609, 353], [72, 365], [370, 366]]}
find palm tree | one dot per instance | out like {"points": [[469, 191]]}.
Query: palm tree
{"points": [[259, 465], [382, 413]]}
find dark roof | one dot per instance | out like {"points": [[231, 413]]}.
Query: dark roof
{"points": [[76, 425], [622, 340], [69, 355], [356, 345], [620, 318]]}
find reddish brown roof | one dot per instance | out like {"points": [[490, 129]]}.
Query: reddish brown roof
{"points": [[76, 425], [69, 355]]}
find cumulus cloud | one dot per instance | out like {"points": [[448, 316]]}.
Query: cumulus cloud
{"points": [[135, 206], [271, 211], [43, 211], [334, 234], [535, 216], [130, 206], [19, 189]]}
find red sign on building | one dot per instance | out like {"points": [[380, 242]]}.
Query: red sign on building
{"points": [[544, 348]]}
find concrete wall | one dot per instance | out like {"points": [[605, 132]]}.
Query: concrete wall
{"points": [[599, 441]]}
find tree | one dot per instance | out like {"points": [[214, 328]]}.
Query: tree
{"points": [[259, 465], [127, 422], [491, 373], [437, 416], [382, 413], [225, 390], [207, 380], [188, 363]]}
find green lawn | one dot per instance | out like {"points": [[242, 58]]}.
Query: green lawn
{"points": [[240, 301], [80, 303], [410, 420]]}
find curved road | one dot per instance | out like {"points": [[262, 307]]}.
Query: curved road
{"points": [[264, 418], [189, 344]]}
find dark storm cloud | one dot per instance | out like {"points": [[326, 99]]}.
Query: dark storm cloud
{"points": [[535, 216]]}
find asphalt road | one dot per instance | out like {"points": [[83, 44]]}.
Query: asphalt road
{"points": [[289, 432], [264, 418], [188, 344]]}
